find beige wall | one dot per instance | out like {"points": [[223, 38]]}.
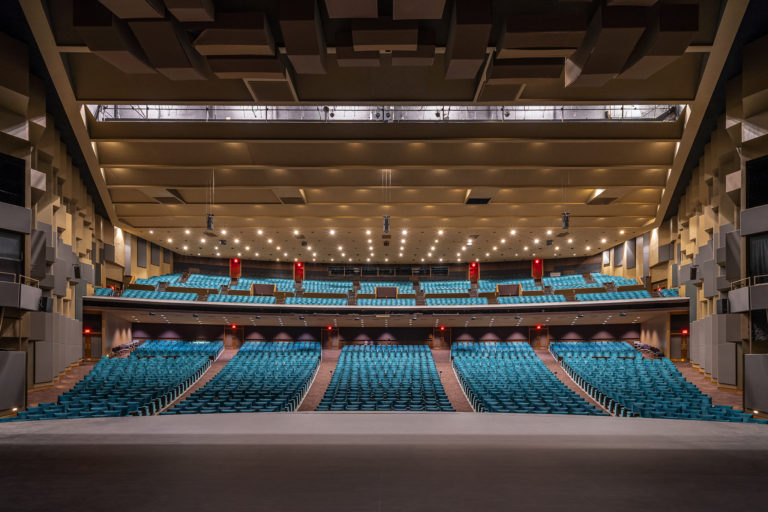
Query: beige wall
{"points": [[115, 331], [655, 332]]}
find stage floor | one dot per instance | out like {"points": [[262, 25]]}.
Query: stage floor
{"points": [[382, 462]]}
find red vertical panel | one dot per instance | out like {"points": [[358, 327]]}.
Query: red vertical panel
{"points": [[235, 268], [537, 268], [298, 272]]}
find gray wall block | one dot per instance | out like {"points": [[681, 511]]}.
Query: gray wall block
{"points": [[754, 220], [630, 256], [15, 218]]}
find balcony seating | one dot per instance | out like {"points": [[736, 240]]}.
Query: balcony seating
{"points": [[148, 294], [402, 286], [669, 292], [593, 349], [510, 377], [445, 286], [635, 294], [313, 286], [281, 285], [489, 285], [458, 301], [618, 281], [386, 302], [316, 301], [649, 388], [210, 349], [121, 386], [103, 292], [385, 378], [531, 299], [171, 279], [262, 377], [242, 299]]}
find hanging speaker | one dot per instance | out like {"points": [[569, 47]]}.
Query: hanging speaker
{"points": [[386, 223]]}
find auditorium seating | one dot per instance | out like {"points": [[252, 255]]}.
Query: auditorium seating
{"points": [[386, 302], [149, 294], [618, 281], [244, 299], [510, 377], [204, 281], [262, 377], [634, 294], [530, 299], [445, 286], [171, 279], [281, 285], [313, 286], [103, 292], [402, 286], [489, 285], [593, 349], [385, 378], [122, 386], [210, 349], [457, 301], [569, 281], [649, 388], [669, 292], [316, 301]]}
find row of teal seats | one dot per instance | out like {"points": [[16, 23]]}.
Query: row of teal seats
{"points": [[210, 349], [262, 377], [402, 286], [243, 299], [386, 302], [147, 294], [385, 378], [669, 292], [458, 301], [593, 349], [634, 294], [316, 301], [530, 299], [491, 348], [617, 280], [514, 381], [103, 292], [649, 388], [281, 285], [122, 386]]}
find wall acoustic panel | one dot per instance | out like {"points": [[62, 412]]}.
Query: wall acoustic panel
{"points": [[618, 255], [13, 379], [15, 218], [419, 10], [754, 220], [385, 35], [154, 254], [542, 35], [43, 361], [141, 253], [726, 363], [630, 255], [168, 49], [353, 9], [756, 382], [607, 257], [166, 256]]}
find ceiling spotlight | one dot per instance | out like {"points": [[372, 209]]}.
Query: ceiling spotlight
{"points": [[432, 248], [405, 232], [440, 231], [285, 254], [296, 232], [441, 260], [367, 231], [535, 240], [277, 248], [429, 254], [237, 240], [342, 255], [495, 248], [549, 231], [487, 254], [368, 259], [170, 240], [341, 248], [223, 231], [401, 255], [602, 241], [570, 240], [202, 240], [151, 232], [332, 232], [525, 248], [512, 231], [587, 247], [621, 232], [256, 254], [422, 259], [503, 240], [238, 255], [464, 248], [557, 247], [314, 254], [259, 232], [186, 231], [185, 247], [269, 240]]}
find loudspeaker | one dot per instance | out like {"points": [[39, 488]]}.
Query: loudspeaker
{"points": [[386, 223], [46, 304], [77, 271], [722, 306], [694, 272]]}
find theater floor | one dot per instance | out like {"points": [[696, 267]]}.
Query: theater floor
{"points": [[382, 462]]}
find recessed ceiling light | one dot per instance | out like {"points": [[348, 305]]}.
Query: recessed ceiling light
{"points": [[602, 241], [422, 259], [587, 247], [368, 259], [402, 240], [405, 232], [269, 240], [535, 240], [495, 248], [277, 248], [314, 254], [367, 231], [487, 254], [170, 240], [386, 259], [202, 240], [458, 254], [512, 232], [401, 255], [503, 240], [295, 231], [342, 255], [223, 231], [440, 231], [332, 232], [557, 247], [247, 247], [237, 240], [238, 255], [570, 240], [464, 248], [525, 248], [185, 247], [621, 232], [256, 254], [549, 231], [429, 254], [259, 232], [151, 232], [341, 248]]}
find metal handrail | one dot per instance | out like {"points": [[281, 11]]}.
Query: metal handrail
{"points": [[741, 283], [20, 279]]}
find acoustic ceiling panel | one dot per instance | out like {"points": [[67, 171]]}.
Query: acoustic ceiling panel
{"points": [[190, 11], [468, 34], [109, 37], [352, 9], [671, 28], [168, 49], [303, 37], [423, 56], [252, 68], [611, 37], [237, 33], [418, 10], [385, 35], [511, 71], [551, 35], [135, 9]]}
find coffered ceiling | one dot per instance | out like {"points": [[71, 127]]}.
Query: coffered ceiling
{"points": [[296, 182]]}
